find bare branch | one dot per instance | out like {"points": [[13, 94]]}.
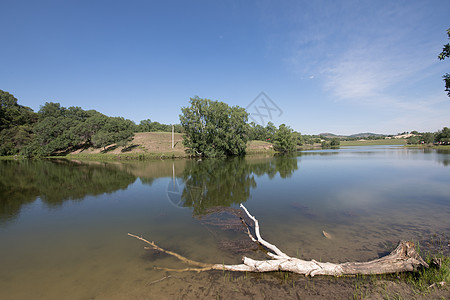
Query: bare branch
{"points": [[403, 258], [274, 248], [180, 257]]}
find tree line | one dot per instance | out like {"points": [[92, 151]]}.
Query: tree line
{"points": [[210, 128], [57, 130], [441, 137]]}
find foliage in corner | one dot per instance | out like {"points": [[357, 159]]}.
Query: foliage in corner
{"points": [[213, 128], [16, 122], [444, 54]]}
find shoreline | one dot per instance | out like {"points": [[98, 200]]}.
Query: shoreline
{"points": [[254, 148]]}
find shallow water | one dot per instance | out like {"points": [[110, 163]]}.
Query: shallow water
{"points": [[64, 225]]}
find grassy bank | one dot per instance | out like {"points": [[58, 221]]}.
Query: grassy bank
{"points": [[158, 145], [374, 142], [429, 146], [155, 145], [123, 156], [259, 147]]}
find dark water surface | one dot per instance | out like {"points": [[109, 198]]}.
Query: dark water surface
{"points": [[64, 224]]}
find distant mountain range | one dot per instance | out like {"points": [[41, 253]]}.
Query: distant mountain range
{"points": [[358, 135]]}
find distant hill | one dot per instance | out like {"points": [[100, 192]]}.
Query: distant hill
{"points": [[365, 135], [331, 135], [357, 135]]}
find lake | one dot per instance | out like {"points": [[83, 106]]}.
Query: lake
{"points": [[64, 224]]}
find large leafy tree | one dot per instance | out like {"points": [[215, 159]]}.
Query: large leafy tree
{"points": [[61, 129], [445, 54], [284, 139], [16, 123], [56, 129], [213, 128], [115, 130], [13, 114], [260, 133], [443, 136]]}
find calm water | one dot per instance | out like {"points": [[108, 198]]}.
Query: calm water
{"points": [[64, 225]]}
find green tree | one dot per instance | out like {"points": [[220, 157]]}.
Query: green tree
{"points": [[149, 126], [145, 126], [61, 130], [256, 132], [413, 140], [85, 130], [116, 130], [270, 131], [15, 139], [444, 54], [12, 114], [213, 128], [443, 136], [51, 109], [332, 143], [428, 137], [16, 122], [335, 142], [298, 138], [284, 139]]}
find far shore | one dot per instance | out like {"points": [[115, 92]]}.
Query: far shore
{"points": [[158, 145]]}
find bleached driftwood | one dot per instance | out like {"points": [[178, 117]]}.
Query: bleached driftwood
{"points": [[403, 258]]}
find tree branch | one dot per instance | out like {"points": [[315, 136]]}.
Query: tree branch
{"points": [[403, 258]]}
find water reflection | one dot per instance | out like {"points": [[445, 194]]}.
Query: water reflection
{"points": [[283, 165], [206, 183], [366, 202], [212, 183], [21, 182]]}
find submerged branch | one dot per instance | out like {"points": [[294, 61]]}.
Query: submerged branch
{"points": [[180, 257], [403, 258]]}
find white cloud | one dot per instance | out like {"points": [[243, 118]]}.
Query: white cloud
{"points": [[370, 72], [361, 50], [428, 114]]}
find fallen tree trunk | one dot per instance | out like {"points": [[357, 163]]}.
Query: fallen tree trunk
{"points": [[403, 258]]}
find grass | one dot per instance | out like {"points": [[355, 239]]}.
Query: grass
{"points": [[259, 147], [124, 156], [431, 277], [374, 142], [12, 157], [430, 146], [422, 284], [442, 147], [425, 280]]}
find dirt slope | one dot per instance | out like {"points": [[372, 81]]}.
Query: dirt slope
{"points": [[161, 142]]}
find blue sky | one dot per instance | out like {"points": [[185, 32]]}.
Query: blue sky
{"points": [[329, 66]]}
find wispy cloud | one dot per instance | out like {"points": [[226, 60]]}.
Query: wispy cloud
{"points": [[372, 62], [366, 60], [372, 71]]}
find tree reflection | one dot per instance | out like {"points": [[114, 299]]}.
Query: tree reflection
{"points": [[206, 184], [214, 182], [21, 182], [284, 165]]}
